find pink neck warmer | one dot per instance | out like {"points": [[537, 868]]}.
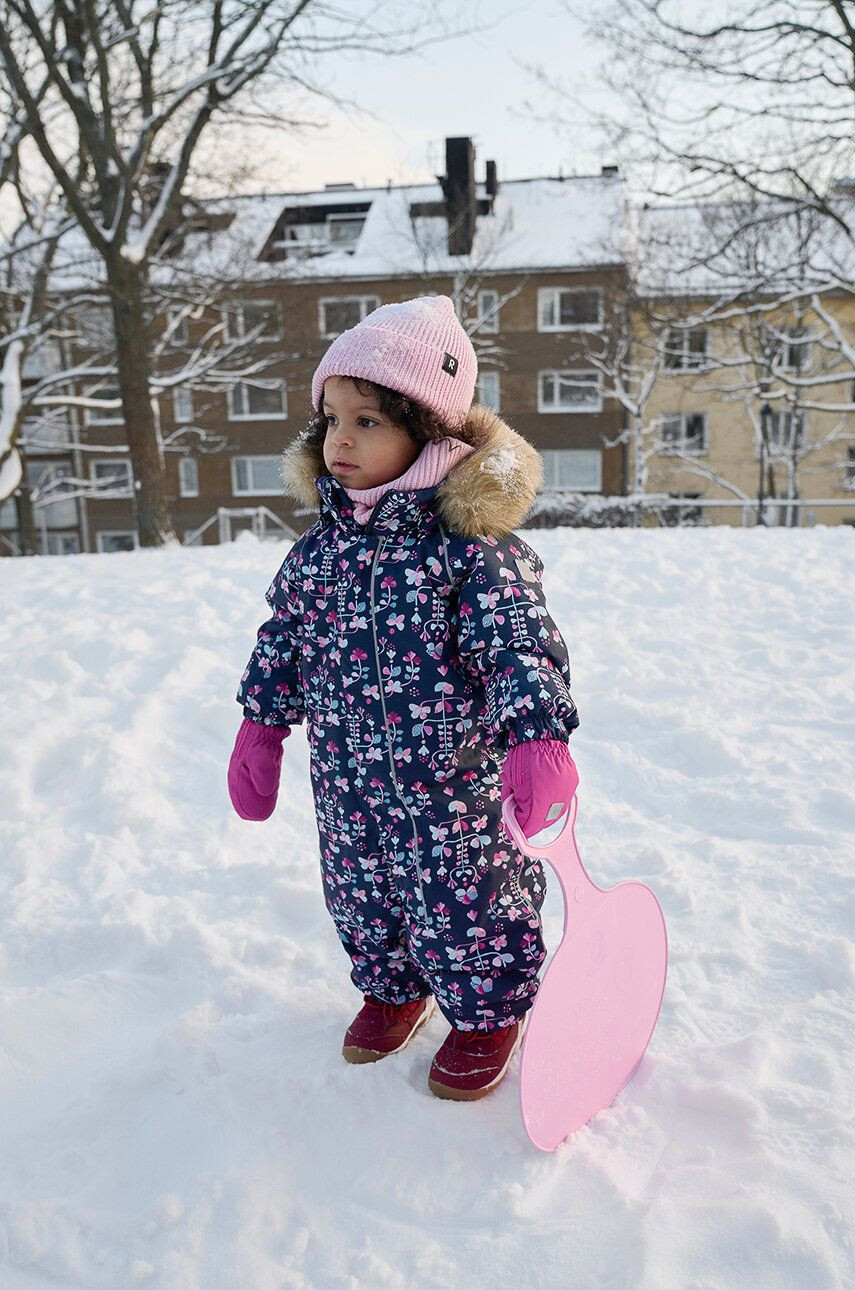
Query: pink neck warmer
{"points": [[430, 467]]}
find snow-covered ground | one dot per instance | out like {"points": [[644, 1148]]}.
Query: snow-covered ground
{"points": [[174, 1109]]}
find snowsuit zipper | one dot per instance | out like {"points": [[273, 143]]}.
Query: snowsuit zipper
{"points": [[392, 769]]}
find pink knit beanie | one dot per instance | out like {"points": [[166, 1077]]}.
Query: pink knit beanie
{"points": [[417, 348]]}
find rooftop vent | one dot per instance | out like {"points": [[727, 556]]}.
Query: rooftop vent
{"points": [[347, 184]]}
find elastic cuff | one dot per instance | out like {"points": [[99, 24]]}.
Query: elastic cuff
{"points": [[258, 733], [531, 732], [544, 725]]}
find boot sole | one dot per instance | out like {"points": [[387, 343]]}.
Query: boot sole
{"points": [[359, 1056], [452, 1094]]}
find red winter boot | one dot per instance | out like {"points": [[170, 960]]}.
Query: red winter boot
{"points": [[380, 1028], [471, 1063]]}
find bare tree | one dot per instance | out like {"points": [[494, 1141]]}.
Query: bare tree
{"points": [[58, 365], [107, 91], [756, 100]]}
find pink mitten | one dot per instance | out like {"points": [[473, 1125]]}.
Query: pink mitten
{"points": [[540, 774], [254, 769]]}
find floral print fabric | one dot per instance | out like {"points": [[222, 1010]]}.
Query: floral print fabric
{"points": [[416, 656]]}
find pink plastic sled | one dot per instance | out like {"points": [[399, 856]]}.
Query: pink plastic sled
{"points": [[600, 997]]}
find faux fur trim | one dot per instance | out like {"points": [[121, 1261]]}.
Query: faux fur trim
{"points": [[487, 494]]}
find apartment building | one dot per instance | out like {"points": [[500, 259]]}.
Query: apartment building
{"points": [[532, 265], [752, 409]]}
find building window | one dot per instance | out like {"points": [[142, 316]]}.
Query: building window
{"points": [[578, 469], [43, 359], [258, 401], [338, 313], [256, 477], [58, 544], [568, 391], [113, 477], [188, 477], [786, 429], [105, 416], [675, 516], [684, 432], [109, 540], [487, 390], [849, 468], [95, 328], [569, 308], [686, 347], [182, 403], [176, 318], [50, 483], [242, 316], [488, 311], [793, 353]]}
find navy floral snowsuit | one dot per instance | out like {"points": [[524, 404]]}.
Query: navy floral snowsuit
{"points": [[416, 657]]}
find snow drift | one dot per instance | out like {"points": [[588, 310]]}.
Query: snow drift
{"points": [[175, 1110]]}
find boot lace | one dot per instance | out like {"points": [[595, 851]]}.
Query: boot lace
{"points": [[493, 1037], [390, 1011]]}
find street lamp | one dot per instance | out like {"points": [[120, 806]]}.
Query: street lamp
{"points": [[765, 436]]}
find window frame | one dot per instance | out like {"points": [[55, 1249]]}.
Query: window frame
{"points": [[101, 533], [252, 492], [670, 449], [488, 320], [178, 392], [686, 512], [576, 488], [271, 383], [544, 293], [119, 490], [100, 343], [494, 374], [792, 339], [564, 409], [180, 336], [237, 310], [337, 300], [685, 353], [182, 490], [59, 535], [89, 417], [849, 467], [775, 440]]}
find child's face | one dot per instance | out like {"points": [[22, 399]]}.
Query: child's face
{"points": [[359, 433]]}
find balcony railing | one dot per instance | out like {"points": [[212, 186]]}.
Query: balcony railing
{"points": [[262, 519]]}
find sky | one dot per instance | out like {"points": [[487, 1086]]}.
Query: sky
{"points": [[476, 84]]}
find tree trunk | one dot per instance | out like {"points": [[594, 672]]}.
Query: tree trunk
{"points": [[151, 509], [26, 523]]}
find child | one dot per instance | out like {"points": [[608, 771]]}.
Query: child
{"points": [[410, 631]]}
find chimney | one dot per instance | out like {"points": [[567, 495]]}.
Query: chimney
{"points": [[492, 184], [609, 172], [458, 185]]}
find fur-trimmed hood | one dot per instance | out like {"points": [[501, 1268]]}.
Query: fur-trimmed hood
{"points": [[488, 493]]}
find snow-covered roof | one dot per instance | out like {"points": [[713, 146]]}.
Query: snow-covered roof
{"points": [[718, 248], [534, 223], [540, 223]]}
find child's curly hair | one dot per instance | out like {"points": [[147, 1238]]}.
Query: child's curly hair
{"points": [[420, 423]]}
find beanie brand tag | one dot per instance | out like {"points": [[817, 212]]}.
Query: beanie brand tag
{"points": [[449, 364]]}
